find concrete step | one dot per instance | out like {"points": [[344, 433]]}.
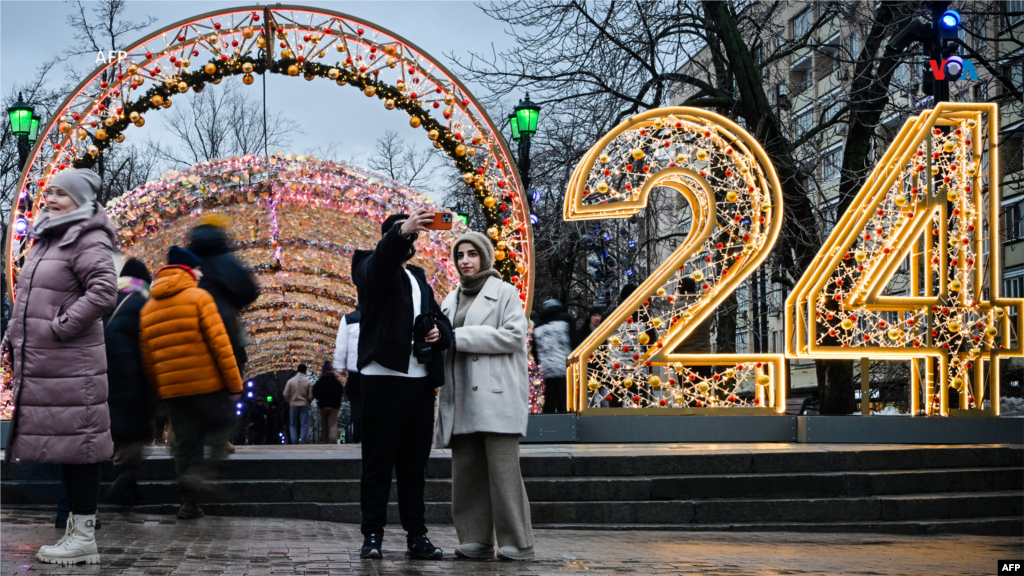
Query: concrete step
{"points": [[874, 509], [342, 462], [991, 526], [610, 489]]}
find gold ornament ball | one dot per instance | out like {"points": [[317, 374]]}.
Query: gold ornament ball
{"points": [[167, 103], [637, 153], [248, 79], [952, 195], [157, 100], [658, 123], [389, 104], [593, 384], [628, 382], [341, 81], [998, 312], [520, 267], [119, 137], [955, 285], [766, 206], [286, 53], [108, 122], [949, 146], [140, 122], [247, 67], [953, 326], [900, 200], [390, 50], [860, 256], [433, 134], [467, 177], [703, 387], [415, 122], [93, 150], [101, 134], [247, 33], [333, 73], [729, 373], [894, 334], [957, 384], [702, 154], [370, 90], [602, 186], [182, 87], [656, 322], [764, 380], [643, 339], [64, 127], [604, 158], [133, 116], [210, 68], [493, 230], [655, 381], [846, 324], [661, 292], [490, 201], [293, 70], [731, 195], [698, 275], [991, 331], [499, 255], [460, 150], [261, 42]]}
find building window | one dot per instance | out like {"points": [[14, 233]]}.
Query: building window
{"points": [[1013, 287], [831, 162], [1013, 222], [1014, 12], [853, 45], [802, 23], [980, 92], [803, 120], [830, 106], [978, 28]]}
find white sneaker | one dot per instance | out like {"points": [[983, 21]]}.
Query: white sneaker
{"points": [[69, 528], [513, 553], [78, 547], [475, 551]]}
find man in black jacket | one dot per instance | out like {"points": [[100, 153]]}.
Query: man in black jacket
{"points": [[227, 279], [398, 389]]}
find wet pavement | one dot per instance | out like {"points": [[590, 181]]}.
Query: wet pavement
{"points": [[156, 545]]}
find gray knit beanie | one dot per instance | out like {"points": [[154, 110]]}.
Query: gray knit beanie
{"points": [[81, 184], [482, 244]]}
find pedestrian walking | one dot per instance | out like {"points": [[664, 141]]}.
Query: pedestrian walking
{"points": [[552, 344], [401, 338], [298, 393], [259, 418], [188, 357], [130, 398], [594, 317], [66, 285], [483, 410], [328, 393], [226, 278], [346, 362]]}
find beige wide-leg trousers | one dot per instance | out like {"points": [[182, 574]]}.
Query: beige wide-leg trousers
{"points": [[488, 495]]}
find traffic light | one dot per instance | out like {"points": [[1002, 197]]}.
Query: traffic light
{"points": [[949, 25]]}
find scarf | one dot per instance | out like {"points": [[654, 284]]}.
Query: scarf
{"points": [[45, 222], [472, 285]]}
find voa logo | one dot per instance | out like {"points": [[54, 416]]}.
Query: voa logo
{"points": [[953, 69]]}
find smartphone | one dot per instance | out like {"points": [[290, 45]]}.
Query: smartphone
{"points": [[441, 221]]}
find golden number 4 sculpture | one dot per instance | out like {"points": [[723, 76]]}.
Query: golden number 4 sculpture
{"points": [[736, 210], [911, 271]]}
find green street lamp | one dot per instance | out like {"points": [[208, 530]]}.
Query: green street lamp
{"points": [[24, 126], [523, 122]]}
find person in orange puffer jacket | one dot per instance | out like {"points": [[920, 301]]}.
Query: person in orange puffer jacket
{"points": [[188, 358]]}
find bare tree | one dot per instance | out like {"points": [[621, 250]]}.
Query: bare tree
{"points": [[217, 123], [402, 162]]}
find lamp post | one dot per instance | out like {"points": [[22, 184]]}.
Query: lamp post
{"points": [[523, 122], [25, 126]]}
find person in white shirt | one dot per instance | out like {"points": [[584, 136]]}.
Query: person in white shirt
{"points": [[346, 354]]}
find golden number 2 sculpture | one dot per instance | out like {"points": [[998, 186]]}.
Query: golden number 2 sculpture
{"points": [[736, 204], [911, 271]]}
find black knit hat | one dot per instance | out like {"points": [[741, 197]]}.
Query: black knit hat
{"points": [[391, 222], [181, 257], [134, 268]]}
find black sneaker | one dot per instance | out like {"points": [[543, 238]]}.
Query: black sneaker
{"points": [[420, 548], [372, 546]]}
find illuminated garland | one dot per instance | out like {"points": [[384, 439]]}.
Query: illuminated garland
{"points": [[234, 42]]}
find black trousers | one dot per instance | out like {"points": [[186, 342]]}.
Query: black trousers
{"points": [[193, 419], [398, 430], [354, 390], [554, 395], [82, 485]]}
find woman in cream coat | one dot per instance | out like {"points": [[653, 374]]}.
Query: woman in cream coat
{"points": [[482, 411]]}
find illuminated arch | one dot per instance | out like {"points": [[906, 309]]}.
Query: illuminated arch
{"points": [[197, 51], [296, 221]]}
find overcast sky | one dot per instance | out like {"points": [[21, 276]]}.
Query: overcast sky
{"points": [[32, 32]]}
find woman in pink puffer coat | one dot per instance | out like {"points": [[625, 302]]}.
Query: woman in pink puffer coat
{"points": [[60, 416]]}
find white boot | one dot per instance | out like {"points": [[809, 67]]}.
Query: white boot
{"points": [[79, 547], [69, 528]]}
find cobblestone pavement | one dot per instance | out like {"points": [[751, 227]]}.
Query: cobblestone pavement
{"points": [[156, 545]]}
